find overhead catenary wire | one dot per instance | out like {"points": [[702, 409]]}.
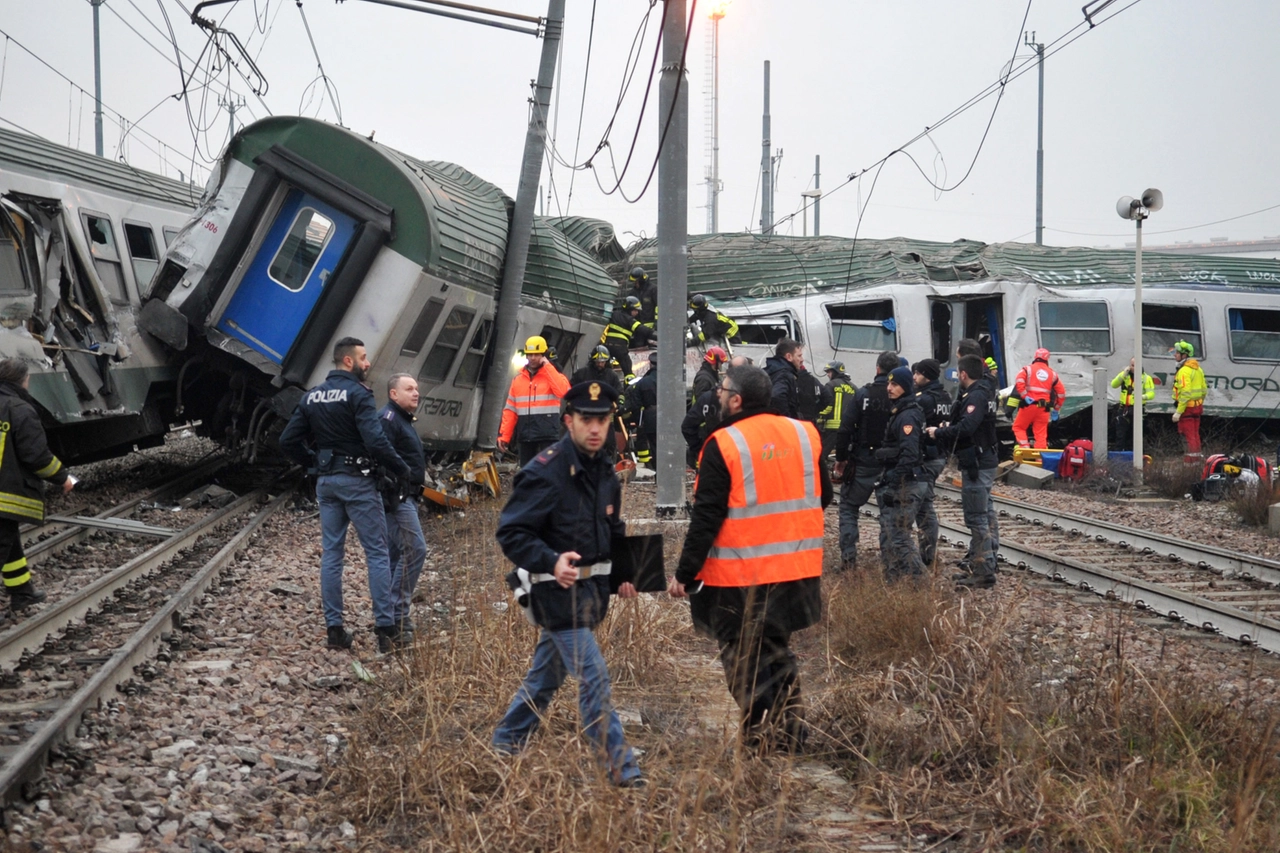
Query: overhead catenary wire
{"points": [[323, 77]]}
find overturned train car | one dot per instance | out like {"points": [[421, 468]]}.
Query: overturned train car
{"points": [[310, 233], [80, 239], [849, 300]]}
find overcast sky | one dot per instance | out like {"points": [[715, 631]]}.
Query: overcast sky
{"points": [[1173, 94]]}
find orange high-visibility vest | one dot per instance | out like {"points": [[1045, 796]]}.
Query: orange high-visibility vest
{"points": [[1040, 382], [532, 395], [773, 532]]}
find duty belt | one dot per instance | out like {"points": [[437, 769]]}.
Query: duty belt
{"points": [[593, 571]]}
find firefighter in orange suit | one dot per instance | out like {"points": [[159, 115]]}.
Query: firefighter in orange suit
{"points": [[752, 559], [1038, 393], [532, 413]]}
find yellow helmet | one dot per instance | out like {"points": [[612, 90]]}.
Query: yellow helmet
{"points": [[536, 345]]}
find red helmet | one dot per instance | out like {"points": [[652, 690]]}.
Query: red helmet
{"points": [[1042, 354], [715, 356]]}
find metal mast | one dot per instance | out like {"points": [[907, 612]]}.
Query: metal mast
{"points": [[97, 79], [766, 165], [506, 324], [673, 239], [713, 120], [1030, 41]]}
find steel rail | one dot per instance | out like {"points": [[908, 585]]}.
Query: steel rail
{"points": [[32, 632], [1229, 563], [27, 764], [73, 535]]}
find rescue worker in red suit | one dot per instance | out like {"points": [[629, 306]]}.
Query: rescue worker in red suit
{"points": [[752, 558], [1038, 392]]}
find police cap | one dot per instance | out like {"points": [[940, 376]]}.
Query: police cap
{"points": [[591, 398]]}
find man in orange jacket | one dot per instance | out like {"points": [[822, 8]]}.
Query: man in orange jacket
{"points": [[752, 559], [532, 413], [1037, 392]]}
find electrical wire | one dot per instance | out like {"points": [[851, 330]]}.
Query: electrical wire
{"points": [[328, 83], [582, 105], [1171, 230]]}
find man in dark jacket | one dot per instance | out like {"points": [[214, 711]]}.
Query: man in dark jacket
{"points": [[335, 430], [625, 331], [598, 369], [752, 559], [406, 546], [935, 404], [862, 429], [708, 375], [703, 417], [559, 527], [647, 293], [645, 392], [971, 438], [783, 367], [26, 463], [901, 486], [811, 397]]}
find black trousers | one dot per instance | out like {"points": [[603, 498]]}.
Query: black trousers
{"points": [[621, 352], [764, 680], [530, 449], [14, 570]]}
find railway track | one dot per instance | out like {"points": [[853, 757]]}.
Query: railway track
{"points": [[78, 649], [1223, 592]]}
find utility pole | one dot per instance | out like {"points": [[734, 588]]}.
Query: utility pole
{"points": [[97, 79], [817, 200], [507, 310], [766, 165], [231, 105], [1030, 41], [673, 239]]}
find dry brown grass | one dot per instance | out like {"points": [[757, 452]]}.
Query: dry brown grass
{"points": [[1253, 503], [1171, 477], [950, 714]]}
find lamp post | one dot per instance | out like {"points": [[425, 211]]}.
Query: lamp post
{"points": [[1138, 209], [810, 196]]}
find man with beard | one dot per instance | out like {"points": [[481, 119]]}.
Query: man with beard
{"points": [[339, 420], [752, 559]]}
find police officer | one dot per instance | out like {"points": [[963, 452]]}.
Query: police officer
{"points": [[25, 461], [645, 394], [862, 430], [971, 438], [935, 405], [406, 546], [902, 486], [646, 292], [625, 331], [838, 390], [532, 413], [559, 526], [711, 324], [340, 419]]}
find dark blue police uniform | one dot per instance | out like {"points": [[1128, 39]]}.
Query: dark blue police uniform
{"points": [[406, 546], [340, 419], [565, 500]]}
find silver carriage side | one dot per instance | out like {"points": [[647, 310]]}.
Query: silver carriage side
{"points": [[311, 233], [80, 239]]}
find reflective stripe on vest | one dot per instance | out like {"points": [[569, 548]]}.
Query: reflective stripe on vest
{"points": [[837, 405], [615, 331], [1039, 380], [1189, 386], [773, 469], [540, 404]]}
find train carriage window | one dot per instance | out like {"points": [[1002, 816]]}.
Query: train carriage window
{"points": [[1255, 334], [298, 254], [766, 331], [1165, 325], [141, 241], [864, 326], [1075, 327], [13, 278], [940, 330], [170, 234], [106, 255], [564, 343], [469, 371], [451, 338], [422, 327]]}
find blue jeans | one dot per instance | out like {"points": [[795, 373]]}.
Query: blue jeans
{"points": [[557, 654], [348, 498], [405, 540]]}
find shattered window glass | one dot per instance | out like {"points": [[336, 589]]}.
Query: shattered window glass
{"points": [[448, 342], [106, 255], [142, 252], [864, 326]]}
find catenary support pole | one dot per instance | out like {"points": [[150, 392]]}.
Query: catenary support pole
{"points": [[766, 164], [97, 80], [673, 238], [1039, 49], [1100, 385], [817, 201], [1137, 354], [508, 308]]}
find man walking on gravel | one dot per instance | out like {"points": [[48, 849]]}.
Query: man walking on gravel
{"points": [[335, 430], [752, 559], [559, 526], [406, 546], [25, 460]]}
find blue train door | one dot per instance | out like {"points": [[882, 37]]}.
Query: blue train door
{"points": [[286, 277]]}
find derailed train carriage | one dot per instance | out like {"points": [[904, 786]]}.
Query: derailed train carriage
{"points": [[310, 233], [80, 238], [850, 300]]}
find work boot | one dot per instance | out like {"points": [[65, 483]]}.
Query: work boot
{"points": [[388, 638], [23, 596], [340, 638], [983, 581], [404, 630]]}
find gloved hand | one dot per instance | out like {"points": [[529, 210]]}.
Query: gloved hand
{"points": [[1176, 416], [702, 337], [1028, 401], [1053, 416]]}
